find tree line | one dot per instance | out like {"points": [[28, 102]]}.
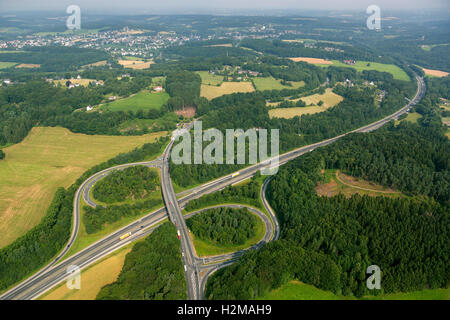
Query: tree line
{"points": [[129, 184], [152, 270]]}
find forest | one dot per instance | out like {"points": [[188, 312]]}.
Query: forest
{"points": [[132, 183], [152, 270], [405, 236], [224, 226]]}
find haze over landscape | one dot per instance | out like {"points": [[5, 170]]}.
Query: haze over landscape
{"points": [[225, 151]]}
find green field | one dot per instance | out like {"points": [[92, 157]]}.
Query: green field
{"points": [[144, 100], [398, 73], [168, 120], [296, 290], [46, 159], [4, 65], [412, 117], [271, 83], [210, 79]]}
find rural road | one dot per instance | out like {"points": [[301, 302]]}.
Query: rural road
{"points": [[54, 273]]}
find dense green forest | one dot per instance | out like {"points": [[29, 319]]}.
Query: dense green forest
{"points": [[129, 184], [224, 226], [183, 88], [56, 59], [152, 270], [2, 155], [406, 237], [38, 246], [417, 164]]}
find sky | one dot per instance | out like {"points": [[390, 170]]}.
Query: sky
{"points": [[192, 6]]}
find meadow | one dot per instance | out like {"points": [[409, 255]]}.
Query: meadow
{"points": [[396, 72], [5, 65], [137, 64], [144, 100], [296, 290], [210, 79], [211, 92], [329, 99], [340, 183], [271, 83], [46, 159]]}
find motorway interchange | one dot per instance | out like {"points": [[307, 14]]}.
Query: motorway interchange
{"points": [[197, 270]]}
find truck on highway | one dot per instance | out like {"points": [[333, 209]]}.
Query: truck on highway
{"points": [[124, 236], [235, 174], [178, 234]]}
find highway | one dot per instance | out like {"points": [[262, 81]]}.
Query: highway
{"points": [[54, 273]]}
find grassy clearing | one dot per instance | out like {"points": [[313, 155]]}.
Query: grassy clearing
{"points": [[397, 72], [5, 65], [211, 92], [95, 64], [271, 83], [144, 100], [28, 66], [340, 183], [93, 278], [312, 60], [46, 159], [136, 64], [206, 248], [289, 113], [210, 79], [81, 82], [329, 99], [296, 290], [412, 117], [168, 120]]}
